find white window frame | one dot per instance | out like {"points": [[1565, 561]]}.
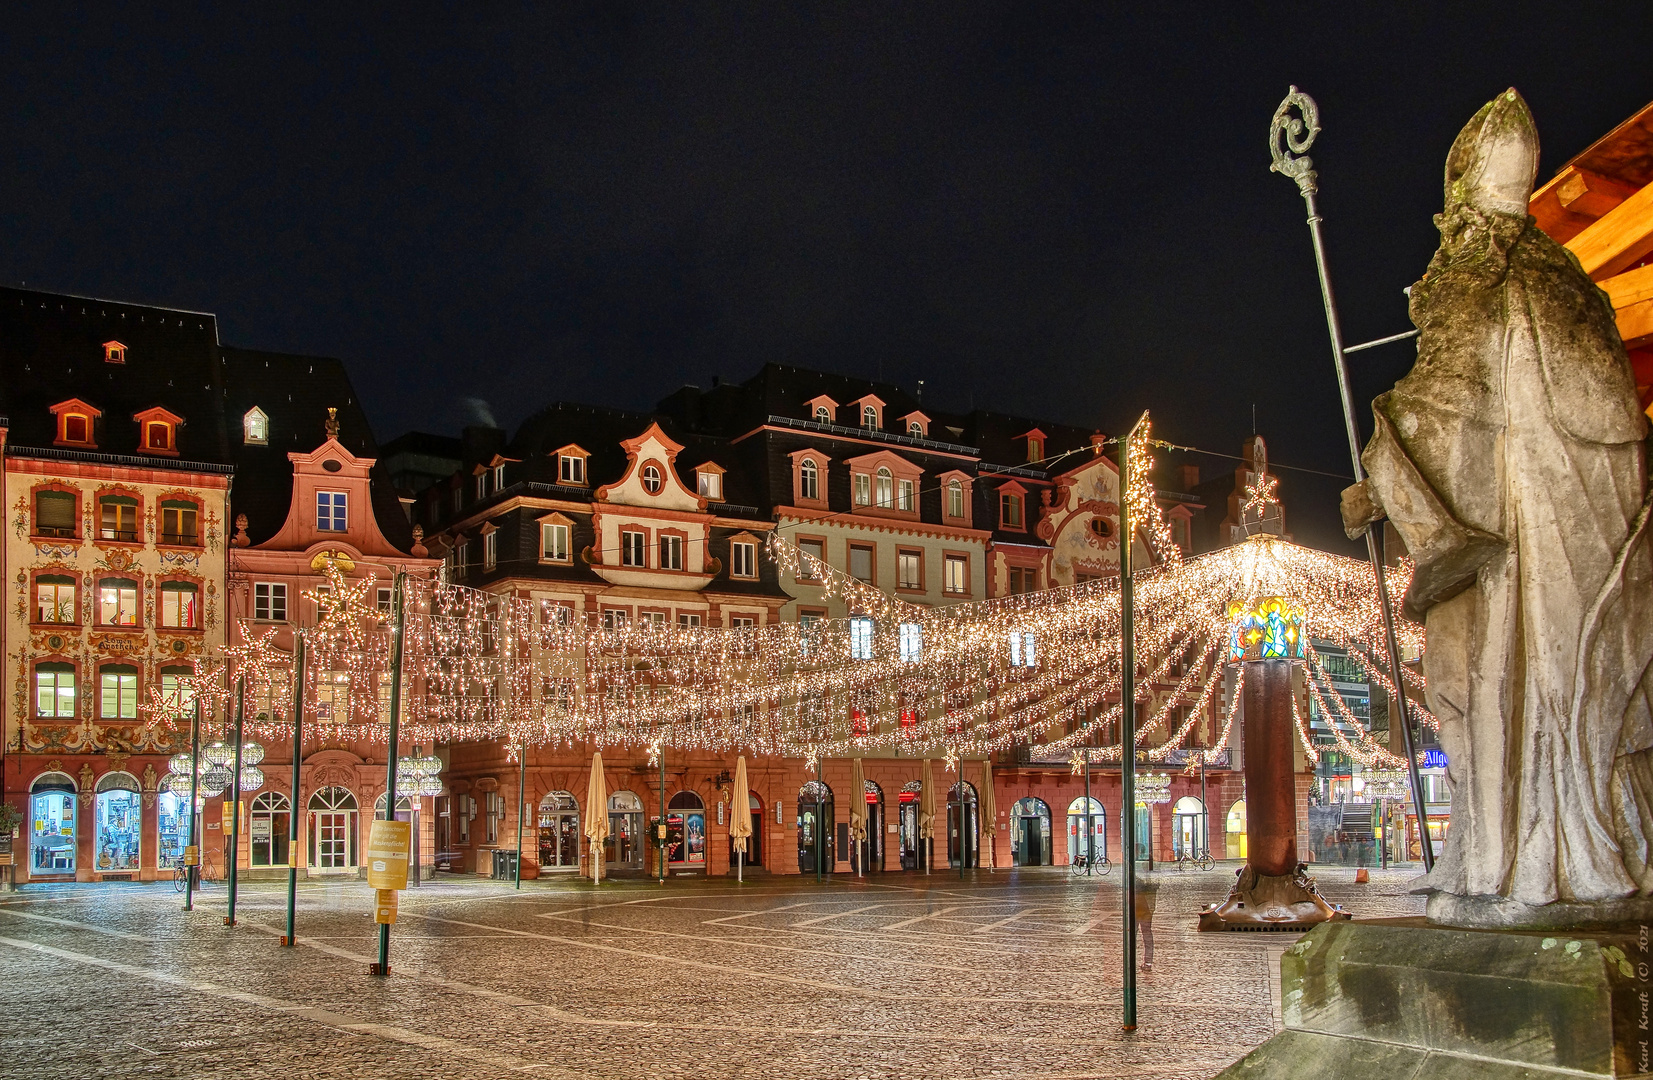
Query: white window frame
{"points": [[671, 552], [912, 642], [1023, 650], [338, 519], [809, 480], [863, 489], [499, 478], [904, 495], [177, 590], [743, 559], [255, 427], [961, 565], [634, 552], [886, 488], [869, 417], [490, 550], [653, 482], [710, 485], [901, 579], [955, 499], [860, 637], [554, 541], [570, 469]]}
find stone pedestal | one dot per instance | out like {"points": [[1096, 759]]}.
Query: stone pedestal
{"points": [[1398, 998]]}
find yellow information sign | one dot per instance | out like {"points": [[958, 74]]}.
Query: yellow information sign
{"points": [[192, 855], [388, 843], [233, 814], [384, 911]]}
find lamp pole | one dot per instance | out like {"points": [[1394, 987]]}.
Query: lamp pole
{"points": [[522, 801], [290, 938], [1289, 141], [190, 870], [235, 802], [1090, 826], [1127, 701], [398, 603]]}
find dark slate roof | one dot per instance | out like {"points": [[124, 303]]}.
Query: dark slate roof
{"points": [[51, 350], [295, 392]]}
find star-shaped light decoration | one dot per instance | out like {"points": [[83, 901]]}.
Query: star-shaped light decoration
{"points": [[345, 608], [952, 761], [1076, 763], [259, 661], [169, 708], [654, 753], [1259, 496]]}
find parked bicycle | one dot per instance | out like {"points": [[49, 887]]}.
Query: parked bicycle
{"points": [[1095, 864], [1202, 860], [208, 873]]}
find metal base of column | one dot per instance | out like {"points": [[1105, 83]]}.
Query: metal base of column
{"points": [[1261, 902]]}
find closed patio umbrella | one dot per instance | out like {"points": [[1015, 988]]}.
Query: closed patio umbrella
{"points": [[596, 815], [926, 812], [989, 808], [858, 814], [740, 821]]}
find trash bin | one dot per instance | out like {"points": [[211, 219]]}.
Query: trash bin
{"points": [[505, 865]]}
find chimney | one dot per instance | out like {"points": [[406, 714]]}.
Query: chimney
{"points": [[1190, 477]]}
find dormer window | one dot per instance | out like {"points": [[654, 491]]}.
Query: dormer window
{"points": [[821, 409], [499, 478], [822, 415], [158, 431], [869, 417], [255, 427], [916, 425], [709, 482], [571, 465], [114, 352], [915, 429], [1035, 445], [76, 424], [652, 481]]}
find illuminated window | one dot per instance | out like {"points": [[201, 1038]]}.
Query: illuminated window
{"points": [[909, 570], [863, 489], [255, 427], [957, 575], [885, 489], [631, 549], [54, 514], [499, 478], [912, 642], [955, 499], [118, 692], [490, 550], [180, 605], [652, 483], [118, 814], [54, 596], [54, 690], [118, 518], [904, 495], [118, 602], [554, 542], [76, 428], [860, 637], [1035, 449], [809, 480], [157, 435], [175, 685], [114, 352], [710, 484], [743, 560], [1022, 652]]}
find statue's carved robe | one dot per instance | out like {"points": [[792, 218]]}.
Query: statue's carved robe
{"points": [[1511, 460]]}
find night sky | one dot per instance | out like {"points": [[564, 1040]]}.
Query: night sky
{"points": [[1062, 211]]}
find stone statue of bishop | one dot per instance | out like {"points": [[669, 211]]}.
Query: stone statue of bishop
{"points": [[1512, 461]]}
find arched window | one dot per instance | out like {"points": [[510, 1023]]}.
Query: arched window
{"points": [[52, 834], [1236, 830], [559, 831], [54, 689], [915, 429], [118, 814], [404, 805], [1087, 821], [117, 602], [1188, 826], [652, 482], [686, 829], [955, 499], [869, 417], [180, 605], [809, 482], [886, 488], [255, 427], [823, 415], [627, 843], [118, 692], [54, 598], [270, 822]]}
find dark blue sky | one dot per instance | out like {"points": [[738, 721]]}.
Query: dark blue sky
{"points": [[1058, 210]]}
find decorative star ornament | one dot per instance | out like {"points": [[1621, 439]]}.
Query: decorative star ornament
{"points": [[952, 760], [1260, 495]]}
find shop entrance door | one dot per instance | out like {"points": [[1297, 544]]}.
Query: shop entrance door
{"points": [[815, 827], [912, 858], [332, 831], [559, 832], [626, 846]]}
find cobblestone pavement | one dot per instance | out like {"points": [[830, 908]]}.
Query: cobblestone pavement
{"points": [[1009, 975]]}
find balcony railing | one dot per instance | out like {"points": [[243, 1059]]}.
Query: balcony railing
{"points": [[188, 539], [60, 532], [127, 535]]}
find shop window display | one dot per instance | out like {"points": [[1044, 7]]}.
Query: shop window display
{"points": [[171, 829], [686, 829], [52, 825], [268, 828], [118, 814]]}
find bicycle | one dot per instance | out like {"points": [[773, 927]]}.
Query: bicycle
{"points": [[1203, 861], [208, 872], [1097, 864]]}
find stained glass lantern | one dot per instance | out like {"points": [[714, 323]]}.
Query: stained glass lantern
{"points": [[1269, 629]]}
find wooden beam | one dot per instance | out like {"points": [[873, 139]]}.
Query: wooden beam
{"points": [[1590, 193], [1636, 324], [1630, 287], [1619, 238], [1555, 219]]}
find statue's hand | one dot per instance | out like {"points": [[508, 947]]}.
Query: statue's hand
{"points": [[1360, 509]]}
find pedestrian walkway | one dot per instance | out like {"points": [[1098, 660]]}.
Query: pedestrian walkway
{"points": [[1000, 976]]}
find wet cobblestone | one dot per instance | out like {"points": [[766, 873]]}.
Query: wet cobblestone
{"points": [[1002, 976]]}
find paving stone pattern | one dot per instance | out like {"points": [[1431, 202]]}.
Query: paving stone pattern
{"points": [[1002, 976]]}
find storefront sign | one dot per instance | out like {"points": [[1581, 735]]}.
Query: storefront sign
{"points": [[388, 843], [230, 817], [1434, 759], [260, 828], [779, 820], [720, 813], [384, 910]]}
